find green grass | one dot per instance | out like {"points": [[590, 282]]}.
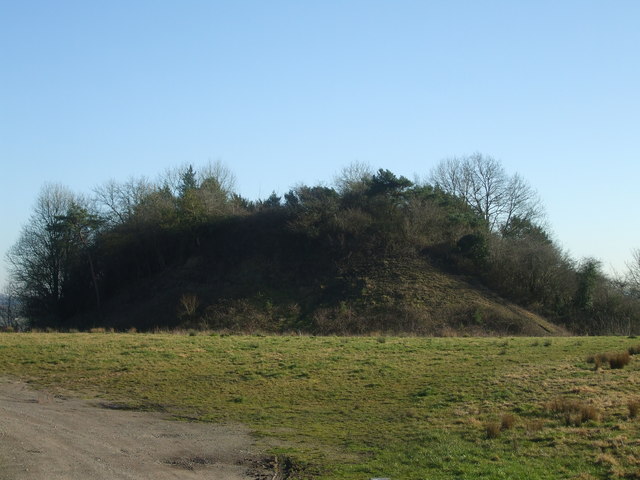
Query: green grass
{"points": [[356, 408]]}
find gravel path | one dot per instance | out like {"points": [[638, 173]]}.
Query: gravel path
{"points": [[43, 437]]}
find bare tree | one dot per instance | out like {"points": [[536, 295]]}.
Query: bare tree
{"points": [[9, 308], [117, 201], [218, 173], [353, 178], [202, 191], [482, 182], [633, 273], [38, 261], [217, 185], [521, 200]]}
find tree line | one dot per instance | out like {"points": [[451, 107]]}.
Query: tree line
{"points": [[470, 218]]}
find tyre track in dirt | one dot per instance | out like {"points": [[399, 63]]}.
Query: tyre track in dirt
{"points": [[46, 437]]}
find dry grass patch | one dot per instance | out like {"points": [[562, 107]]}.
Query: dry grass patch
{"points": [[507, 421], [596, 360], [634, 407], [613, 465], [100, 330], [616, 360], [619, 360], [582, 390], [492, 429], [534, 426], [575, 412], [588, 413]]}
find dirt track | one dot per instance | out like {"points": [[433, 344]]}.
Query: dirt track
{"points": [[52, 438]]}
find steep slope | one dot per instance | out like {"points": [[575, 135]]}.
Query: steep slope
{"points": [[390, 295]]}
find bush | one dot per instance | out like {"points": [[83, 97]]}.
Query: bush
{"points": [[575, 412], [596, 360], [615, 360], [507, 421], [619, 360], [188, 306], [492, 429], [588, 412]]}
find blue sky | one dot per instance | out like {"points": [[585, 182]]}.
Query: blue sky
{"points": [[285, 92]]}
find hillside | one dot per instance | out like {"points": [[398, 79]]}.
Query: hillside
{"points": [[377, 253], [393, 295]]}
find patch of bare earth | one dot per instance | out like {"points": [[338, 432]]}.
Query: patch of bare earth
{"points": [[43, 437]]}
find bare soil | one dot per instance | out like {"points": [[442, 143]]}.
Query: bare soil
{"points": [[49, 437]]}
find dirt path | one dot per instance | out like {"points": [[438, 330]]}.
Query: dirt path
{"points": [[47, 438]]}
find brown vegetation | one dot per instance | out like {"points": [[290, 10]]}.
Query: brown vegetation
{"points": [[575, 412], [492, 429], [507, 421], [616, 360]]}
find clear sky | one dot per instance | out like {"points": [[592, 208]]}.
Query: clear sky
{"points": [[285, 92]]}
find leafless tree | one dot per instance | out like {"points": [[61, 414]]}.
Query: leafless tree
{"points": [[483, 183], [353, 177], [9, 308], [633, 273], [217, 185], [213, 187], [117, 201], [37, 262], [219, 173]]}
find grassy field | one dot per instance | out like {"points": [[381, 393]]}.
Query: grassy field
{"points": [[356, 408]]}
